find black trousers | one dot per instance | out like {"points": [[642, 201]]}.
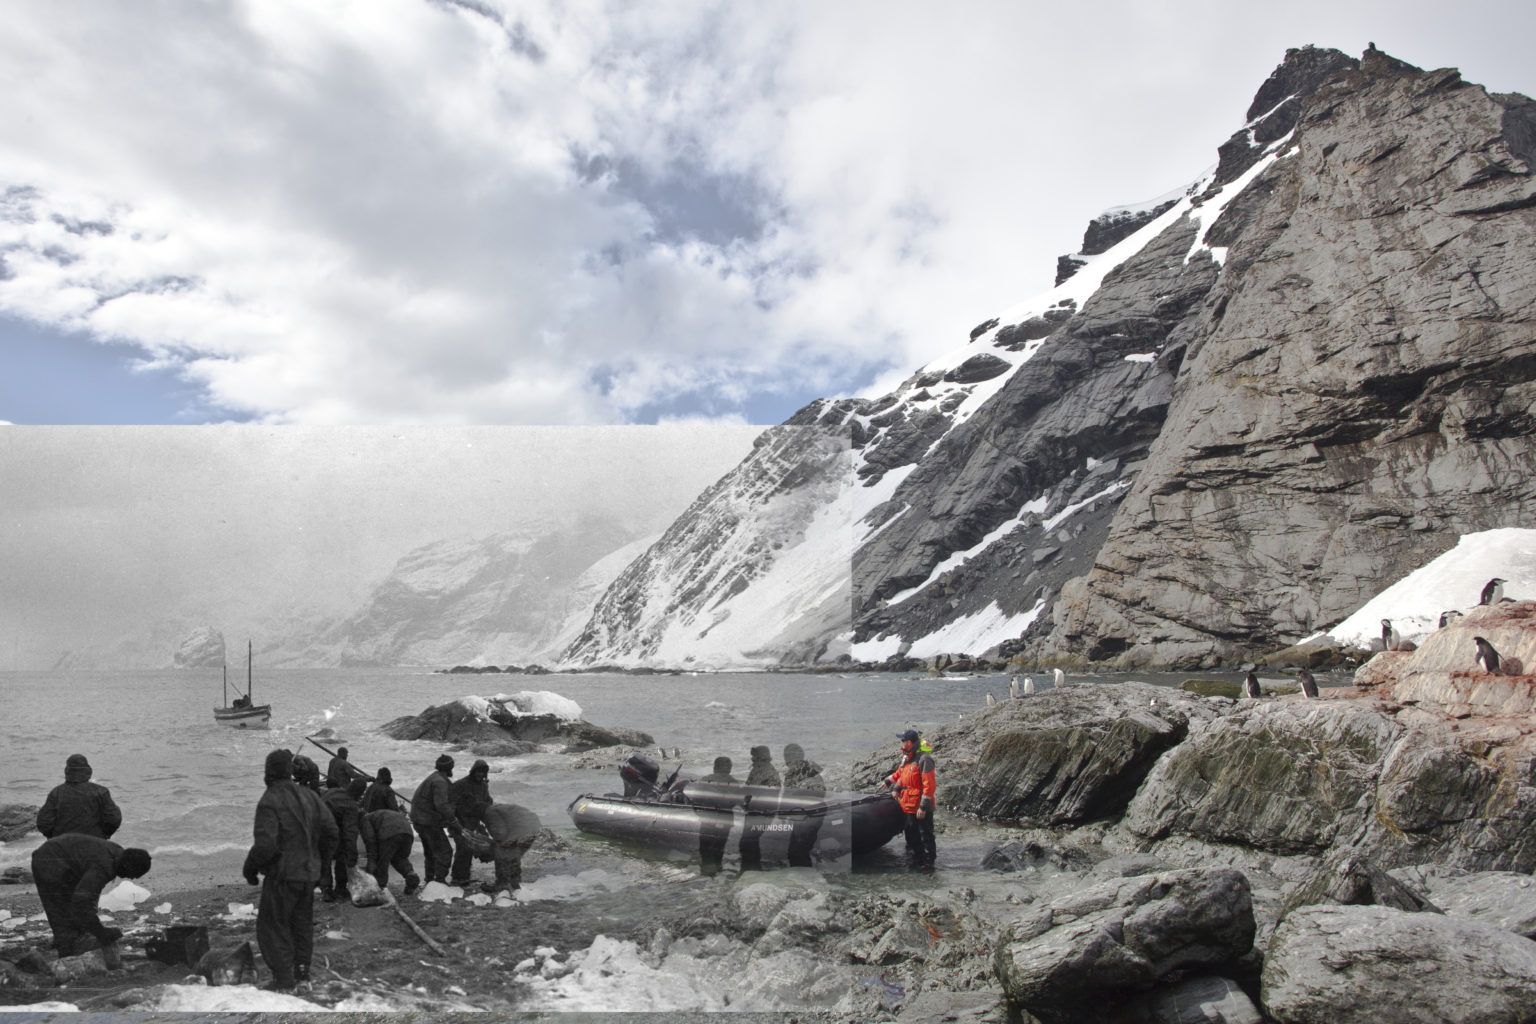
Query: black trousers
{"points": [[919, 835], [435, 852], [55, 889], [802, 839], [394, 852], [285, 928]]}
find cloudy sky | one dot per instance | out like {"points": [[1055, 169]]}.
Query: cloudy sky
{"points": [[590, 211]]}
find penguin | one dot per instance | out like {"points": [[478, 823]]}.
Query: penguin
{"points": [[990, 699], [1448, 617], [1493, 591], [1308, 684], [1013, 688], [1060, 678], [1487, 656], [1251, 685], [1389, 637], [1029, 685]]}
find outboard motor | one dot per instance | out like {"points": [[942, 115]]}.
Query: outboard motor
{"points": [[639, 775]]}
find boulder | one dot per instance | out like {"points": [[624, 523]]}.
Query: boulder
{"points": [[1504, 899], [1364, 965], [1287, 776], [1066, 756], [16, 820], [1347, 876], [1076, 957], [1443, 674], [505, 725]]}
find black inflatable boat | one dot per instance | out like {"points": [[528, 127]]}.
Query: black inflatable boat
{"points": [[831, 826]]}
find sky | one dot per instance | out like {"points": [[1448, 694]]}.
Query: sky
{"points": [[590, 212], [108, 530]]}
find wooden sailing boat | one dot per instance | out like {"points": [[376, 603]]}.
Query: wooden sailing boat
{"points": [[244, 713]]}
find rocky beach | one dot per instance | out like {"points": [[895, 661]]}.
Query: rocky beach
{"points": [[1108, 850]]}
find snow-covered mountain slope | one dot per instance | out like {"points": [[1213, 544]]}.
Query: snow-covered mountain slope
{"points": [[1178, 373], [776, 528], [503, 599]]}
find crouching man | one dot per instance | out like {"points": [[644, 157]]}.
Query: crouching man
{"points": [[513, 830], [71, 870]]}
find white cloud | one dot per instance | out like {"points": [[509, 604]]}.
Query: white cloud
{"points": [[430, 210]]}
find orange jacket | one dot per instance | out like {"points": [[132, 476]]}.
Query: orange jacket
{"points": [[914, 782]]}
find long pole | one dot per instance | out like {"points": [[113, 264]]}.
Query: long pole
{"points": [[248, 693], [226, 685]]}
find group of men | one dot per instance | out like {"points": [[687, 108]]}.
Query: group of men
{"points": [[79, 859], [304, 838], [913, 784]]}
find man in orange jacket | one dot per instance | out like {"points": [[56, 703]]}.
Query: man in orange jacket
{"points": [[914, 786]]}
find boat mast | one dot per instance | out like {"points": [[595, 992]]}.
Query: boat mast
{"points": [[248, 695], [226, 684]]}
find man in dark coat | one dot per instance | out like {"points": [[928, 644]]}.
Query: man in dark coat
{"points": [[471, 799], [306, 773], [339, 773], [387, 843], [513, 829], [342, 803], [432, 815], [380, 794], [70, 871], [294, 837], [714, 833], [79, 805]]}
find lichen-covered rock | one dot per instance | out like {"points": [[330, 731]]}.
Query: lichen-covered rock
{"points": [[1077, 956], [1443, 672], [1282, 775], [1364, 965], [1347, 876]]}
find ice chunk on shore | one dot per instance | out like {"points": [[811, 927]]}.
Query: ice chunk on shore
{"points": [[125, 895]]}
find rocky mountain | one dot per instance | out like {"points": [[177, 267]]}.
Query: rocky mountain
{"points": [[514, 597], [1246, 408], [203, 648]]}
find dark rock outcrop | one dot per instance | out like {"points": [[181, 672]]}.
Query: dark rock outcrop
{"points": [[1065, 757], [1078, 956], [495, 729]]}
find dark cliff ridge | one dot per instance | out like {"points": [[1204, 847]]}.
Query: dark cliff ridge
{"points": [[1260, 406]]}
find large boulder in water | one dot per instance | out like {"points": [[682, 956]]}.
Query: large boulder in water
{"points": [[1078, 956], [1361, 965], [512, 724]]}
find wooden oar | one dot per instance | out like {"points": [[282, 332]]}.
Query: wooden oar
{"points": [[361, 774]]}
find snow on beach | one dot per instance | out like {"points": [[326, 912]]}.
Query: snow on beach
{"points": [[1452, 582], [524, 702]]}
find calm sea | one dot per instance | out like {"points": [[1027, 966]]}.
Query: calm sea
{"points": [[187, 786]]}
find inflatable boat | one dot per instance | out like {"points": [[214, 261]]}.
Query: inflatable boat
{"points": [[772, 822]]}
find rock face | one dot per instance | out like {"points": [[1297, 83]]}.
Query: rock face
{"points": [[1075, 958], [203, 649], [1304, 378], [1064, 757], [1351, 398], [1368, 964], [16, 820]]}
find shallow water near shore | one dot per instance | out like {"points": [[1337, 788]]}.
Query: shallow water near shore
{"points": [[187, 786]]}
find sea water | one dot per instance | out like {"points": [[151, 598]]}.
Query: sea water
{"points": [[187, 786]]}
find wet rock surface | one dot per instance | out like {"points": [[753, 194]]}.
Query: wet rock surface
{"points": [[16, 820], [1371, 964]]}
